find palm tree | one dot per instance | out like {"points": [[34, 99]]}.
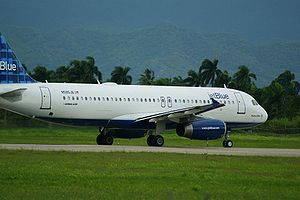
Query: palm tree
{"points": [[287, 80], [62, 74], [84, 71], [193, 79], [91, 69], [147, 77], [41, 73], [178, 81], [223, 79], [163, 82], [120, 75], [209, 71], [243, 79]]}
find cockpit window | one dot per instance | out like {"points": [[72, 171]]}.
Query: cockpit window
{"points": [[254, 102]]}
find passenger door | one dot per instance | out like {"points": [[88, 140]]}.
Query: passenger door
{"points": [[241, 109]]}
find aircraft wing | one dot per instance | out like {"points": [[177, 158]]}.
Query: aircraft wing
{"points": [[180, 114]]}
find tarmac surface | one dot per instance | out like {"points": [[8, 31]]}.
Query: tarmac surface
{"points": [[182, 150]]}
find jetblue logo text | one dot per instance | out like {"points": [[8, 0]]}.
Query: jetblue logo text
{"points": [[4, 66], [218, 95]]}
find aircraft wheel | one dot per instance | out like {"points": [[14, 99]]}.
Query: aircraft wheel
{"points": [[150, 140], [159, 141], [104, 139], [108, 140], [229, 143], [224, 143], [99, 140]]}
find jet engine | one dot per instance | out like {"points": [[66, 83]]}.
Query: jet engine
{"points": [[206, 129]]}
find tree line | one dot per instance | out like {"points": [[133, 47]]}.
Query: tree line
{"points": [[280, 98]]}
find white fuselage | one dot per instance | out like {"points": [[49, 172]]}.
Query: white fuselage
{"points": [[100, 104]]}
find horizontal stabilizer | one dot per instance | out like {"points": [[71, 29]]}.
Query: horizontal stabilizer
{"points": [[12, 92]]}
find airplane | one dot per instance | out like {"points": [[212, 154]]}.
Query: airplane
{"points": [[128, 111]]}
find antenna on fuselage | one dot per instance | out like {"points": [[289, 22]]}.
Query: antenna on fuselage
{"points": [[225, 86], [98, 82]]}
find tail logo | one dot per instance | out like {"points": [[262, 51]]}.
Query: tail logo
{"points": [[4, 66]]}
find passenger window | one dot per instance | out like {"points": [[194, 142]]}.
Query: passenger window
{"points": [[128, 99], [82, 98], [153, 100], [95, 99], [196, 101], [192, 101], [116, 99], [103, 99], [64, 98], [124, 99], [120, 99], [111, 98], [183, 100], [232, 102], [188, 101], [204, 101], [179, 100], [141, 100], [86, 98], [137, 99], [149, 100], [107, 98], [175, 100], [77, 98], [200, 101], [208, 101], [145, 100], [228, 102], [99, 99], [132, 99]]}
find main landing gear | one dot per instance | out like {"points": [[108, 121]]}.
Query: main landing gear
{"points": [[104, 138], [227, 143], [155, 141]]}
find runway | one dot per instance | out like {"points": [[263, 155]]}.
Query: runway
{"points": [[181, 150]]}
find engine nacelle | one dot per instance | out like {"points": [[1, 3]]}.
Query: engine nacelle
{"points": [[206, 129], [127, 133]]}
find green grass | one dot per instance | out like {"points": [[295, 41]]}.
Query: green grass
{"points": [[66, 135], [65, 175]]}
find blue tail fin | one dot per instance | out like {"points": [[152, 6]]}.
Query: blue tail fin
{"points": [[11, 69]]}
